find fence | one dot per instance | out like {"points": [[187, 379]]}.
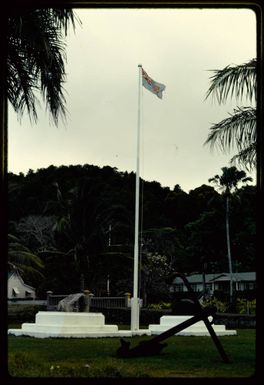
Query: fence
{"points": [[92, 301], [109, 302]]}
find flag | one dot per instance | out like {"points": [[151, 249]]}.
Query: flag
{"points": [[151, 85]]}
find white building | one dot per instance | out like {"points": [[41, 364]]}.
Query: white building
{"points": [[217, 281], [17, 288]]}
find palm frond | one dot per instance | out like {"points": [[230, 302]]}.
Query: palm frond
{"points": [[246, 157], [20, 256], [238, 80], [237, 131], [36, 56], [26, 258]]}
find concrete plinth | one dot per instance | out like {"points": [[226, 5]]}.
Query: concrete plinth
{"points": [[198, 329], [72, 325]]}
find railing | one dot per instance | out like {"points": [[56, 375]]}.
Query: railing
{"points": [[53, 300], [95, 302], [109, 302]]}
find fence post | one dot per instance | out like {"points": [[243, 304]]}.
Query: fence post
{"points": [[87, 300], [127, 299], [91, 295], [48, 298], [88, 297]]}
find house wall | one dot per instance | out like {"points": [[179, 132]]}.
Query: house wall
{"points": [[16, 282], [212, 286]]}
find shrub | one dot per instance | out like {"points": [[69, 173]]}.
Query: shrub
{"points": [[159, 306], [23, 313], [221, 307], [244, 306]]}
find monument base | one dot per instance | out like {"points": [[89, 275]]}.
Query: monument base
{"points": [[198, 329], [50, 324]]}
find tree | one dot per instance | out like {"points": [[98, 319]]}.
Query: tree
{"points": [[204, 239], [81, 230], [21, 258], [228, 182], [35, 59], [36, 231], [239, 130]]}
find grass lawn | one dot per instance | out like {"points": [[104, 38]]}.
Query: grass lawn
{"points": [[183, 357]]}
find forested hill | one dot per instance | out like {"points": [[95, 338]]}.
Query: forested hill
{"points": [[79, 221]]}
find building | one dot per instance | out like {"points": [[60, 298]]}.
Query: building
{"points": [[17, 288], [216, 281]]}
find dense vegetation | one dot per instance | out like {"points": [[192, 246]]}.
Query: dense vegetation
{"points": [[78, 222]]}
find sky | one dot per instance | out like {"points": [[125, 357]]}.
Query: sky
{"points": [[176, 47]]}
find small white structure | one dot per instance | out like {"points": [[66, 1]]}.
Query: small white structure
{"points": [[198, 329], [71, 325], [17, 288]]}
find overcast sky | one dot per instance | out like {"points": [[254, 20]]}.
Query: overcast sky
{"points": [[176, 47]]}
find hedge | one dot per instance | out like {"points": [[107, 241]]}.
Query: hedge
{"points": [[118, 316]]}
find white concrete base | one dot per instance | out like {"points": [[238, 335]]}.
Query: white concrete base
{"points": [[198, 329], [71, 325]]}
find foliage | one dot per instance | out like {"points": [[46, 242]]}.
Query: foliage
{"points": [[239, 80], [227, 182], [36, 56], [21, 258], [155, 269], [160, 305], [23, 313], [204, 235], [244, 306], [79, 220], [239, 130], [221, 306], [229, 179]]}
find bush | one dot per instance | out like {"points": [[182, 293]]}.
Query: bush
{"points": [[23, 313], [159, 306], [244, 306], [221, 307]]}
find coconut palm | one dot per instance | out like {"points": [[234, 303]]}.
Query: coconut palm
{"points": [[239, 129], [35, 59], [227, 182], [21, 258]]}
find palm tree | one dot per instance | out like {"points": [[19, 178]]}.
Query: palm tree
{"points": [[21, 258], [227, 182], [35, 59], [239, 129]]}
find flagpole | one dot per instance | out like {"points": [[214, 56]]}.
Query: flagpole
{"points": [[135, 299]]}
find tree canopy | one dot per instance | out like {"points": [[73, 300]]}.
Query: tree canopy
{"points": [[79, 220]]}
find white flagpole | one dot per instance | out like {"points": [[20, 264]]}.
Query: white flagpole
{"points": [[135, 299]]}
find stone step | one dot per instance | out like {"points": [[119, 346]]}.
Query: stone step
{"points": [[163, 328], [175, 320], [72, 325], [69, 328], [50, 334], [71, 318], [198, 332], [197, 329]]}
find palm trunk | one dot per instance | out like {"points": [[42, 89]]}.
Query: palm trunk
{"points": [[229, 248]]}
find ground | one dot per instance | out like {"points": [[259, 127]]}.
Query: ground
{"points": [[183, 357]]}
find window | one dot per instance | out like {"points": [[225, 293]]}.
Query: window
{"points": [[179, 287], [15, 291], [194, 286]]}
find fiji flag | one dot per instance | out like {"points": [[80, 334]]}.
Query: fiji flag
{"points": [[151, 85]]}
